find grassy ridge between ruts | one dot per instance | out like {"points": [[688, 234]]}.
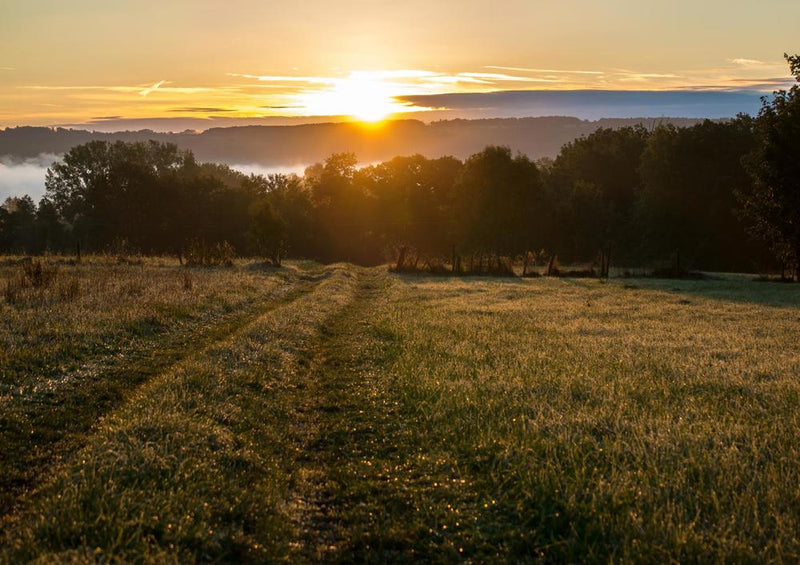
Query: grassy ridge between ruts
{"points": [[190, 469]]}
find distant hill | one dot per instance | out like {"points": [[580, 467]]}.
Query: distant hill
{"points": [[275, 146]]}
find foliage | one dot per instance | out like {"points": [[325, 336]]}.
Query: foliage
{"points": [[773, 199], [690, 178]]}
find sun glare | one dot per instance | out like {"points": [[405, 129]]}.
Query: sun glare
{"points": [[360, 96]]}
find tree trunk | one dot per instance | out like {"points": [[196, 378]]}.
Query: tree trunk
{"points": [[797, 263]]}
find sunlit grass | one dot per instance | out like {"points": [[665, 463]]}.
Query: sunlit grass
{"points": [[608, 421], [361, 416]]}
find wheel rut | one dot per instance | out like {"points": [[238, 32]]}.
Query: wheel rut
{"points": [[333, 422]]}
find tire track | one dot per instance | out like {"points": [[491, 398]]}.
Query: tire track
{"points": [[333, 417]]}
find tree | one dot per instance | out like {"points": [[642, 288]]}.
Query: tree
{"points": [[19, 224], [773, 202], [342, 211], [413, 199], [107, 191], [687, 207], [497, 195], [268, 232], [49, 228], [608, 160]]}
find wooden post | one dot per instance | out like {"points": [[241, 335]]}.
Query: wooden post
{"points": [[78, 251]]}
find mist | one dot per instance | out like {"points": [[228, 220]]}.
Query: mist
{"points": [[21, 177], [256, 169]]}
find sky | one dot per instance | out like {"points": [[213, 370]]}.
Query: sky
{"points": [[122, 63]]}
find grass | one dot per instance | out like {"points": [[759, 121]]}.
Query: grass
{"points": [[340, 414], [66, 361]]}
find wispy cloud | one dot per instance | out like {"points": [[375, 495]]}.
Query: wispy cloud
{"points": [[7, 69], [294, 94], [286, 78], [126, 89], [748, 62], [150, 89], [551, 71], [201, 110], [497, 77]]}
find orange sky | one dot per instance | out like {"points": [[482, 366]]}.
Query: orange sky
{"points": [[74, 62]]}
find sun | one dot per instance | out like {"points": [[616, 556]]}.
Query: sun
{"points": [[360, 96]]}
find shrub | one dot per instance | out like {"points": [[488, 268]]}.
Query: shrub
{"points": [[188, 281], [39, 275], [33, 275], [69, 290], [199, 254]]}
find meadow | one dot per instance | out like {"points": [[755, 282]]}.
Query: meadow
{"points": [[153, 413]]}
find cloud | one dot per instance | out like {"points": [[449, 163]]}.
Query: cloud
{"points": [[644, 77], [773, 81], [492, 77], [151, 89], [552, 71], [18, 178], [128, 89], [201, 110], [7, 69], [747, 62], [285, 78], [593, 104]]}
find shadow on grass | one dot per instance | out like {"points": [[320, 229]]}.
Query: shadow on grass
{"points": [[728, 287], [741, 288]]}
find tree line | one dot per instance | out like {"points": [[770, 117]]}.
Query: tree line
{"points": [[714, 196]]}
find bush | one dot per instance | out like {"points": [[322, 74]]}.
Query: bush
{"points": [[198, 254], [33, 276]]}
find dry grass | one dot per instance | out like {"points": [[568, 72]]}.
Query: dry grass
{"points": [[71, 349]]}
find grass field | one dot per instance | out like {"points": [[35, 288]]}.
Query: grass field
{"points": [[157, 414]]}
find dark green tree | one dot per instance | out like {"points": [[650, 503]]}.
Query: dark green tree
{"points": [[687, 208], [773, 201], [608, 160], [496, 202]]}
